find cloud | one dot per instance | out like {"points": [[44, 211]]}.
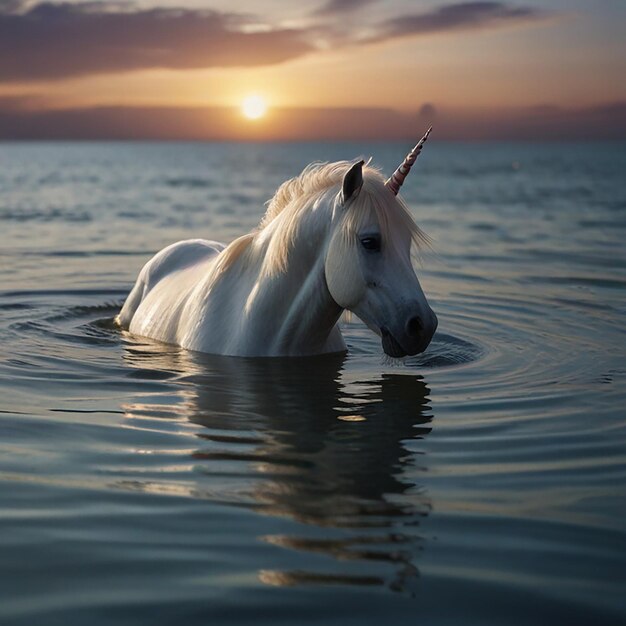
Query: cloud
{"points": [[333, 8], [60, 40], [19, 119], [455, 17]]}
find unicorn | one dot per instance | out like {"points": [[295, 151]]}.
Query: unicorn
{"points": [[337, 237]]}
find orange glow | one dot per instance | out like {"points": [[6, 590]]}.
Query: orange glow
{"points": [[408, 69]]}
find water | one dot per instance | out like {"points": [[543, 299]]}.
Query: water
{"points": [[479, 483]]}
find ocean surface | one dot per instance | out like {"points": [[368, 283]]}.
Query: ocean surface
{"points": [[483, 482]]}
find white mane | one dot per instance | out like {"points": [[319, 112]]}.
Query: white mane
{"points": [[323, 181]]}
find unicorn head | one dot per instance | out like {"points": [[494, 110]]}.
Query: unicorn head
{"points": [[368, 265]]}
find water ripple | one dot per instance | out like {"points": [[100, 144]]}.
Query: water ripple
{"points": [[187, 487]]}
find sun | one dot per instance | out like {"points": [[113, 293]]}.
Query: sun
{"points": [[253, 107]]}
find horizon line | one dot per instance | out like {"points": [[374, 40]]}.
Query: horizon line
{"points": [[20, 121]]}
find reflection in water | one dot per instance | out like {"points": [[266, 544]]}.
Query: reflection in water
{"points": [[300, 439]]}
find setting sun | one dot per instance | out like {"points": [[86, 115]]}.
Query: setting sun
{"points": [[253, 107]]}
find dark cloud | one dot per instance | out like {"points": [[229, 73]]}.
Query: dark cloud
{"points": [[50, 41], [20, 120], [454, 17], [59, 40], [340, 7]]}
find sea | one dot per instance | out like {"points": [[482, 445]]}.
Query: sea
{"points": [[481, 482]]}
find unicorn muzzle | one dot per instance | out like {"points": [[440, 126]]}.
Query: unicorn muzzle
{"points": [[414, 338]]}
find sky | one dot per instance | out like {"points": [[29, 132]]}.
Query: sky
{"points": [[327, 69]]}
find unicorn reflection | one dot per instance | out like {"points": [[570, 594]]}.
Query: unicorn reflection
{"points": [[302, 441], [336, 237]]}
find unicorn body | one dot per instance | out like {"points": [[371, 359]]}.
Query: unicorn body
{"points": [[336, 237]]}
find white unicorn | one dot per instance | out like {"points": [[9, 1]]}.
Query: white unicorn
{"points": [[335, 237]]}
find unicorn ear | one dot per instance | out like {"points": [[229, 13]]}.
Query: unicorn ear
{"points": [[353, 181]]}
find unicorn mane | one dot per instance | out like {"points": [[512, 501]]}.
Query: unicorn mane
{"points": [[314, 179], [316, 182]]}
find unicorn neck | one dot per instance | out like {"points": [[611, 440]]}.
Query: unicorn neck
{"points": [[310, 323], [298, 313]]}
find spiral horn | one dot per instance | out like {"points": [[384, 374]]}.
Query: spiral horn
{"points": [[394, 182]]}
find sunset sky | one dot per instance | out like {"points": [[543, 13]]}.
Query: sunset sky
{"points": [[350, 68]]}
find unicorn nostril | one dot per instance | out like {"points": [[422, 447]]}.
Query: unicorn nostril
{"points": [[414, 326]]}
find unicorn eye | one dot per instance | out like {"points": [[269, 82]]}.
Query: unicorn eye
{"points": [[371, 242]]}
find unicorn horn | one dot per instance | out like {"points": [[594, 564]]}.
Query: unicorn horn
{"points": [[397, 178]]}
